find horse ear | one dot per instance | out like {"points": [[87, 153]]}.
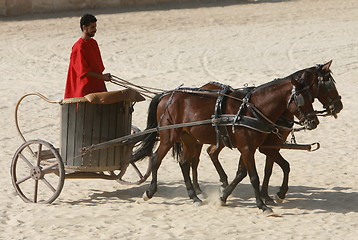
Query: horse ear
{"points": [[327, 66], [294, 81], [304, 75], [307, 77]]}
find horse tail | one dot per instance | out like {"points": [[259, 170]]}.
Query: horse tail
{"points": [[147, 144], [177, 151]]}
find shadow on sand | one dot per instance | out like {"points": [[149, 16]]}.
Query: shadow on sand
{"points": [[336, 200]]}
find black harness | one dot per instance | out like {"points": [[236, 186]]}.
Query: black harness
{"points": [[220, 129], [258, 122], [221, 121]]}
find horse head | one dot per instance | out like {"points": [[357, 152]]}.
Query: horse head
{"points": [[300, 103], [324, 88]]}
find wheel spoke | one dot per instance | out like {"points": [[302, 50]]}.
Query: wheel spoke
{"points": [[137, 170], [49, 185], [23, 180], [39, 154], [25, 160], [46, 169], [45, 164], [36, 190]]}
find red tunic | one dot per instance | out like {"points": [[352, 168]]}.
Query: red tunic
{"points": [[85, 57]]}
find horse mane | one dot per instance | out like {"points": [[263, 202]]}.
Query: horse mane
{"points": [[317, 67], [278, 80], [189, 90]]}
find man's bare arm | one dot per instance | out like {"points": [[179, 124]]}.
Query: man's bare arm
{"points": [[105, 77]]}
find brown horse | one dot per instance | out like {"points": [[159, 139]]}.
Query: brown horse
{"points": [[269, 100], [324, 90]]}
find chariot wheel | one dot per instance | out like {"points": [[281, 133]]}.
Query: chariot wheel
{"points": [[37, 172], [133, 173]]}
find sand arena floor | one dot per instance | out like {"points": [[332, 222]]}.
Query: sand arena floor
{"points": [[236, 44]]}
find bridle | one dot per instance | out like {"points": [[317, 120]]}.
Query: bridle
{"points": [[327, 86], [298, 97]]}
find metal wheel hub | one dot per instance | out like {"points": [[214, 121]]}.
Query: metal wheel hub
{"points": [[36, 173]]}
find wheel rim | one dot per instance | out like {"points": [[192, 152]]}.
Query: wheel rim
{"points": [[37, 172], [136, 174]]}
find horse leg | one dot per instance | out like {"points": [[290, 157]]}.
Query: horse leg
{"points": [[249, 161], [273, 155], [194, 166], [153, 184], [213, 152], [185, 168], [240, 174], [190, 156], [268, 172], [285, 166], [157, 158]]}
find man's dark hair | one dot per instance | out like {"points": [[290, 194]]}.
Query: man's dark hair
{"points": [[87, 19]]}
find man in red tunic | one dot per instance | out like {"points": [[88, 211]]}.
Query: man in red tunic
{"points": [[86, 66]]}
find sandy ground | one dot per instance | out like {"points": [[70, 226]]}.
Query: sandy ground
{"points": [[236, 44]]}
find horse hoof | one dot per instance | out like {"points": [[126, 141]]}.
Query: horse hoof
{"points": [[222, 202], [270, 201], [145, 196], [268, 212], [197, 203], [202, 196], [278, 199], [198, 191]]}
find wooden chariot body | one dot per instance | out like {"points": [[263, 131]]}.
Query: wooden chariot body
{"points": [[84, 123]]}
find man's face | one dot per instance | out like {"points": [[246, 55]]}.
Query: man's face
{"points": [[90, 30]]}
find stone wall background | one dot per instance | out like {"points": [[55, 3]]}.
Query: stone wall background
{"points": [[24, 7]]}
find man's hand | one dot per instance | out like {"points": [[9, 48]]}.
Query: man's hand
{"points": [[106, 77]]}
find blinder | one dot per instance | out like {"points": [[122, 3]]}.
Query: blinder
{"points": [[298, 96], [299, 99], [328, 86]]}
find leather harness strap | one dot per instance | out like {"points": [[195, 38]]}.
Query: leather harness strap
{"points": [[221, 130]]}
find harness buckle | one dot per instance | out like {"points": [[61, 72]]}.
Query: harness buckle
{"points": [[277, 133]]}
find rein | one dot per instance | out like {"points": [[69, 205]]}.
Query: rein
{"points": [[133, 138], [212, 93], [143, 90]]}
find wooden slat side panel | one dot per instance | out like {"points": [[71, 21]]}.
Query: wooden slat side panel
{"points": [[64, 132], [118, 133], [128, 116], [96, 132], [88, 126], [103, 155], [112, 133], [72, 114], [84, 124], [79, 124], [127, 149], [124, 128]]}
